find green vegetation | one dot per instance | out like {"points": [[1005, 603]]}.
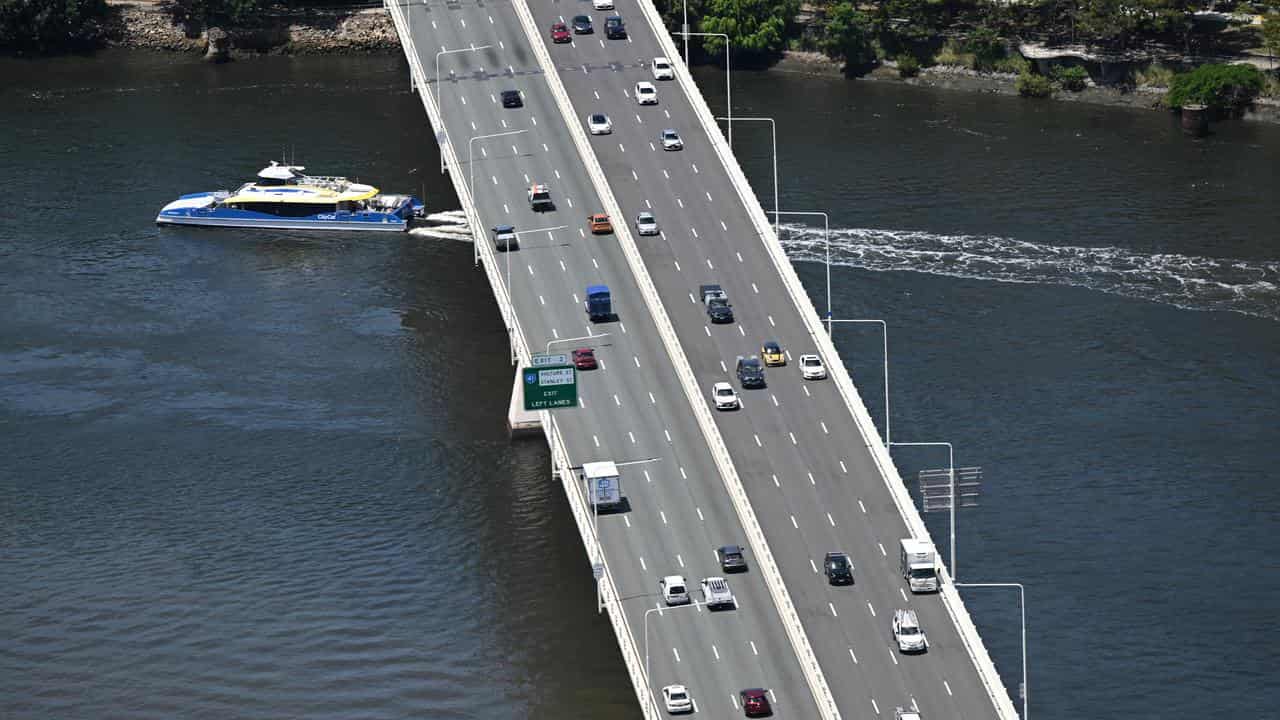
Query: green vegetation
{"points": [[1222, 87], [908, 66], [1034, 86], [1271, 34], [1073, 77], [40, 26], [1155, 74], [848, 36], [210, 12], [757, 27]]}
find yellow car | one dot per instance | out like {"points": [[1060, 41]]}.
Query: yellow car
{"points": [[772, 353]]}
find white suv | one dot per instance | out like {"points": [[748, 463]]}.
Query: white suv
{"points": [[811, 367], [677, 700], [906, 630], [724, 396], [716, 593], [674, 590], [662, 69], [646, 93]]}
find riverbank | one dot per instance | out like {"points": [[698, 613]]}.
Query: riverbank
{"points": [[950, 77]]}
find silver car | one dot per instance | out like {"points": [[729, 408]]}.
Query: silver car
{"points": [[646, 224], [671, 140], [907, 632]]}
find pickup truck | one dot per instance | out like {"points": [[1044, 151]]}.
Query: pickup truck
{"points": [[716, 303]]}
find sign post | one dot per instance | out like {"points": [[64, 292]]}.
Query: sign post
{"points": [[550, 386]]}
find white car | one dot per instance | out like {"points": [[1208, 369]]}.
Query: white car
{"points": [[906, 714], [906, 630], [646, 224], [716, 593], [671, 140], [602, 4], [662, 69], [811, 367], [724, 396], [646, 93], [599, 124], [677, 700], [674, 590]]}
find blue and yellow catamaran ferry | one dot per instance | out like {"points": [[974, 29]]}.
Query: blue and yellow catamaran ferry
{"points": [[286, 198]]}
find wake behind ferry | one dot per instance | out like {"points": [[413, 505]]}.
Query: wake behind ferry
{"points": [[286, 198]]}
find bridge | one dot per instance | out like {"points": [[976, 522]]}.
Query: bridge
{"points": [[799, 471]]}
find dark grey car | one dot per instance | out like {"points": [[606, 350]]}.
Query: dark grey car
{"points": [[731, 558]]}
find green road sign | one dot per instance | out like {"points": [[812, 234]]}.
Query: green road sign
{"points": [[550, 387]]}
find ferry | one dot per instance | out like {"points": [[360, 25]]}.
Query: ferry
{"points": [[286, 198]]}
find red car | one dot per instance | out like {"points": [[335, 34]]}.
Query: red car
{"points": [[755, 702], [560, 33], [585, 359]]}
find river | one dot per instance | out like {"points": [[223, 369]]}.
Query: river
{"points": [[251, 477]]}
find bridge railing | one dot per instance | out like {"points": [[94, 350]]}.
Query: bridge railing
{"points": [[862, 419], [559, 453], [808, 660]]}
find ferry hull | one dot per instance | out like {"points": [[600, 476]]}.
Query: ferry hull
{"points": [[397, 225], [202, 209]]}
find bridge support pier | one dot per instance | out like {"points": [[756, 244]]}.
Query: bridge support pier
{"points": [[520, 422]]}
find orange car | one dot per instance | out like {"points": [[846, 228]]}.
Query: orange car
{"points": [[600, 224]]}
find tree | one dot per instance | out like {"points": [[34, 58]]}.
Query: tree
{"points": [[755, 27], [204, 12], [847, 36], [48, 25], [1271, 35], [1223, 87]]}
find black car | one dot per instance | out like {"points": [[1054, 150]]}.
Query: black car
{"points": [[838, 568], [614, 29], [731, 558], [750, 372], [720, 312], [582, 25], [512, 99]]}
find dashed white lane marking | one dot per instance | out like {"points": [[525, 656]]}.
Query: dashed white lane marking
{"points": [[652, 399], [673, 650], [526, 177], [634, 176], [773, 697], [544, 302], [813, 565], [677, 262], [715, 652], [774, 398], [758, 443], [855, 660], [646, 476], [667, 113], [581, 233], [593, 92], [904, 595], [596, 440], [806, 391], [556, 333], [875, 705], [753, 647], [683, 475], [864, 507], [843, 468], [679, 559], [565, 269], [700, 517], [709, 265], [648, 204], [739, 257], [620, 147], [532, 119], [694, 231], [514, 151], [473, 127], [464, 24], [530, 269], [708, 196], [433, 25], [771, 322], [882, 552], [626, 520], [723, 226], [811, 480], [642, 565], [775, 482], [506, 209], [636, 358], [492, 99], [623, 328], [616, 401], [824, 427], [833, 610], [463, 98], [495, 179], [742, 332], [873, 610], [639, 120], [569, 200], [753, 287], [893, 656], [707, 330], [678, 200], [946, 685], [723, 367], [652, 148], [594, 263], [547, 150], [793, 522], [557, 172], [793, 438], [666, 175], [664, 522], [831, 520]]}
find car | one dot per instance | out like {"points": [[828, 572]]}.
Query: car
{"points": [[773, 354], [512, 99], [614, 28], [716, 594], [646, 224], [732, 559], [906, 714], [724, 396], [677, 700], [838, 568], [505, 238], [755, 702], [600, 224], [662, 69], [906, 630], [671, 140], [599, 124], [750, 372], [646, 93], [560, 33], [582, 25], [602, 4], [585, 359], [674, 590], [811, 367]]}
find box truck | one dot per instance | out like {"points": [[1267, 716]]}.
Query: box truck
{"points": [[919, 565], [604, 485]]}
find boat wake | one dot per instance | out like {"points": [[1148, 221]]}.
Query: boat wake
{"points": [[447, 225], [1192, 282]]}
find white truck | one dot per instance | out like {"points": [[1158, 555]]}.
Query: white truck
{"points": [[604, 485], [919, 565]]}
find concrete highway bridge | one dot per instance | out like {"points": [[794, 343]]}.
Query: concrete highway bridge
{"points": [[798, 471]]}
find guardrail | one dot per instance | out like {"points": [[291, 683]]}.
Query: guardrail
{"points": [[809, 664], [862, 419], [559, 453]]}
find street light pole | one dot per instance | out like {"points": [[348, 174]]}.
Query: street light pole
{"points": [[439, 107], [826, 235], [471, 177], [1022, 605], [951, 481], [648, 681], [728, 86], [773, 129], [884, 328]]}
